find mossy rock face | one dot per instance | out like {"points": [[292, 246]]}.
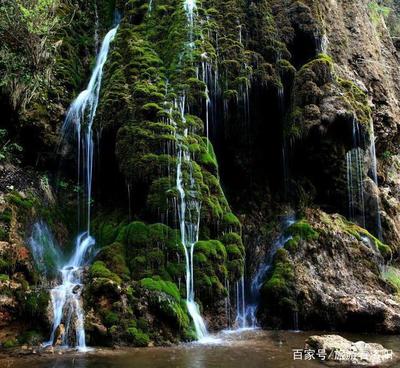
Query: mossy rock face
{"points": [[137, 337], [99, 270], [297, 232], [277, 292], [165, 299]]}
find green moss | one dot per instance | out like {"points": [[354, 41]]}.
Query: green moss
{"points": [[111, 318], [137, 337], [278, 290], [33, 305], [99, 270], [20, 201], [212, 249], [6, 216], [292, 245], [157, 284], [303, 230], [357, 101], [231, 220], [4, 277], [392, 276], [114, 258], [10, 343], [137, 234], [358, 232]]}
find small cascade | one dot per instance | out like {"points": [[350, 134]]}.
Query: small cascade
{"points": [[228, 303], [66, 297], [374, 172], [80, 117], [323, 44], [189, 223], [250, 319], [190, 7], [296, 321], [45, 250], [240, 304], [355, 178]]}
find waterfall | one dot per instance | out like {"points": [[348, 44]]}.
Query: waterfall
{"points": [[355, 178], [240, 304], [249, 318], [66, 297], [190, 6], [80, 116], [372, 152], [189, 223]]}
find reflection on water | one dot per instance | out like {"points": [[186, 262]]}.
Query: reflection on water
{"points": [[247, 348]]}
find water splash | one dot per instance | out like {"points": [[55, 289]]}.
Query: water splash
{"points": [[66, 297]]}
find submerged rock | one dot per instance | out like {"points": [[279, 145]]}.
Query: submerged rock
{"points": [[337, 348]]}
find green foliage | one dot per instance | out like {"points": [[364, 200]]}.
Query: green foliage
{"points": [[378, 11], [31, 337], [357, 101], [111, 318], [9, 343], [9, 151], [137, 337], [20, 201], [392, 276], [33, 305]]}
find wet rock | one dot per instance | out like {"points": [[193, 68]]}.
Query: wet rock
{"points": [[339, 349], [338, 282], [59, 335]]}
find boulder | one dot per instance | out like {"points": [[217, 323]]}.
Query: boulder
{"points": [[337, 348]]}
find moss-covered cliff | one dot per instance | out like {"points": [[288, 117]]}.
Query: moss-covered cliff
{"points": [[255, 109]]}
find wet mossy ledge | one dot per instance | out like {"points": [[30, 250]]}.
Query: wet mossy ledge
{"points": [[139, 275], [310, 282]]}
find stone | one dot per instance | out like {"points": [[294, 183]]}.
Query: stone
{"points": [[59, 335], [337, 348]]}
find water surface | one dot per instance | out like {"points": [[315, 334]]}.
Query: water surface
{"points": [[245, 349]]}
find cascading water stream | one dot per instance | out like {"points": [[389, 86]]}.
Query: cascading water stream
{"points": [[246, 314], [374, 171], [355, 178], [189, 223], [66, 297]]}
